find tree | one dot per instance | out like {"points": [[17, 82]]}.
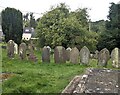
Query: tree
{"points": [[29, 20], [110, 38], [12, 25], [59, 26]]}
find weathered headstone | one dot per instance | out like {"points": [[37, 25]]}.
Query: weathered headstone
{"points": [[22, 51], [59, 54], [84, 55], [31, 47], [74, 56], [91, 56], [115, 57], [96, 54], [15, 48], [68, 50], [103, 57], [49, 48], [32, 57], [45, 54], [10, 49]]}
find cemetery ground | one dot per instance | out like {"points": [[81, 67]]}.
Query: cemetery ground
{"points": [[23, 76]]}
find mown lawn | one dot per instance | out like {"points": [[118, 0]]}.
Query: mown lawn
{"points": [[30, 77]]}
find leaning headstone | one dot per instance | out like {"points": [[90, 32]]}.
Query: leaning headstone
{"points": [[115, 57], [68, 50], [84, 55], [10, 49], [59, 54], [103, 57], [15, 48], [22, 51], [45, 54], [74, 56]]}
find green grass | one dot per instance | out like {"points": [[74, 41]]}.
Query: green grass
{"points": [[30, 77]]}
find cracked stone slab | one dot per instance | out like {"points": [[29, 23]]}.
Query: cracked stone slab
{"points": [[95, 81]]}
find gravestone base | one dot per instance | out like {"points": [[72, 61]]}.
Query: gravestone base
{"points": [[95, 81]]}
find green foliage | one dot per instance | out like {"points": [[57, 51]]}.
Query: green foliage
{"points": [[110, 38], [62, 27], [29, 22], [98, 26], [12, 24]]}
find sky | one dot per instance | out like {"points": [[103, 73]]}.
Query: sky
{"points": [[97, 9]]}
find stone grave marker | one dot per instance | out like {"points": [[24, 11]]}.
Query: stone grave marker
{"points": [[46, 54], [96, 54], [10, 49], [115, 57], [22, 51], [15, 48], [32, 57], [59, 54], [74, 56], [84, 55], [103, 57], [68, 50]]}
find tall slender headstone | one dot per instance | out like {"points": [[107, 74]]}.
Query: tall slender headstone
{"points": [[59, 54], [15, 48], [103, 57], [10, 49], [45, 54], [22, 51], [68, 50], [84, 55], [74, 56], [115, 57], [96, 54]]}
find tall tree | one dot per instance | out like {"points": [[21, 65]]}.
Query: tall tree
{"points": [[59, 26], [12, 25], [111, 37]]}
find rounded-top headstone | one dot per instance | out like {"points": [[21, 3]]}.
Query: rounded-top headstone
{"points": [[22, 50], [15, 48], [96, 54], [45, 54], [59, 54], [10, 49], [103, 57], [115, 57], [74, 56], [84, 55], [68, 50]]}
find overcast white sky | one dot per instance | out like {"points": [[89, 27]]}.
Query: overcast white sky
{"points": [[99, 8]]}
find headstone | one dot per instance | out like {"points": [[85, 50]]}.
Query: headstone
{"points": [[115, 57], [15, 48], [45, 54], [91, 56], [103, 57], [68, 50], [59, 54], [49, 48], [32, 57], [74, 56], [84, 55], [22, 51], [10, 49], [96, 54], [31, 47]]}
